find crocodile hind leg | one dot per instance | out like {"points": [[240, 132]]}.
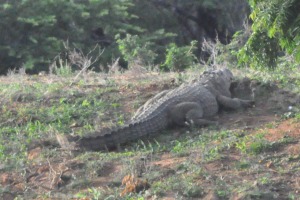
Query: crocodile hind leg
{"points": [[195, 117], [189, 113], [234, 103]]}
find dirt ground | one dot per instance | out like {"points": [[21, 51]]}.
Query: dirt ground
{"points": [[271, 115]]}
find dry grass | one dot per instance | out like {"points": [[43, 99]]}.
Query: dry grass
{"points": [[252, 154]]}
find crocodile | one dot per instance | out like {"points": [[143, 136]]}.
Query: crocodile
{"points": [[193, 103]]}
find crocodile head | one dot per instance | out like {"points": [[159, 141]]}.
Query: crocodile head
{"points": [[222, 80]]}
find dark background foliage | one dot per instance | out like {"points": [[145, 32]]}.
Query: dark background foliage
{"points": [[33, 33]]}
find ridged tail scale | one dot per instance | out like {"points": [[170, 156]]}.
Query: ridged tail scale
{"points": [[133, 131]]}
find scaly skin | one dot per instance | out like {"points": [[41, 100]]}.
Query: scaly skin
{"points": [[190, 103]]}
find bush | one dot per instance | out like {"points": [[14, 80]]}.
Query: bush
{"points": [[275, 30], [134, 48], [33, 32], [179, 58]]}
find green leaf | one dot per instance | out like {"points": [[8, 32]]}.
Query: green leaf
{"points": [[6, 6], [297, 54], [33, 40]]}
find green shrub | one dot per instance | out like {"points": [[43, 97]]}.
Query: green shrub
{"points": [[179, 58], [275, 31], [33, 32], [134, 48]]}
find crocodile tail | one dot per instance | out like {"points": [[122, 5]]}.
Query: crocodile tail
{"points": [[122, 135]]}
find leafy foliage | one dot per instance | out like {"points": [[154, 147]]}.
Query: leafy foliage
{"points": [[143, 49], [276, 28], [179, 58], [33, 32]]}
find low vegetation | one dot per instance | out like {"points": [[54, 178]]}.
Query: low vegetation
{"points": [[251, 154]]}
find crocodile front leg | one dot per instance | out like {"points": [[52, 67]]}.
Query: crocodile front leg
{"points": [[234, 103]]}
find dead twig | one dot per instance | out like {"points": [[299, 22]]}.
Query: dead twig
{"points": [[83, 61]]}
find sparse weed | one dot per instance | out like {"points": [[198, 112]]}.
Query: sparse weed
{"points": [[81, 195], [184, 185], [297, 116], [222, 193], [178, 147], [264, 180], [61, 68], [270, 125], [95, 193], [241, 145], [243, 164], [257, 147], [293, 196], [192, 190], [254, 144]]}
